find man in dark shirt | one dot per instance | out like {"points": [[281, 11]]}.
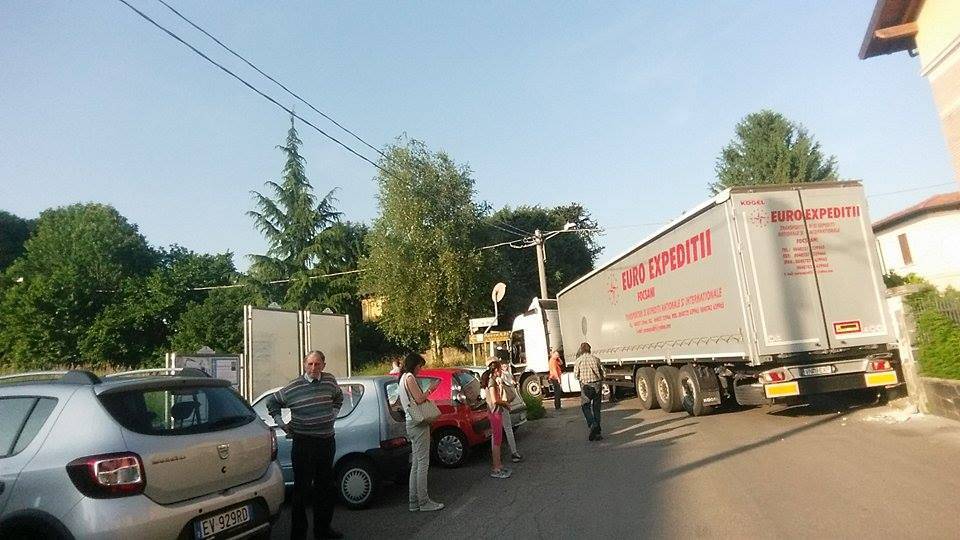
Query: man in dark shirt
{"points": [[314, 400]]}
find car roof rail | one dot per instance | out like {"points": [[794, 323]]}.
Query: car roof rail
{"points": [[176, 372], [73, 376]]}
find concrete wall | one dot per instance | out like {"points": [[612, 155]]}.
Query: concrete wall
{"points": [[941, 397], [938, 42], [933, 241]]}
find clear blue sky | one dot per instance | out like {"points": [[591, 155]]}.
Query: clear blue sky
{"points": [[620, 106]]}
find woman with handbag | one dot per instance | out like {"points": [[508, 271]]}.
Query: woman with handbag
{"points": [[510, 393], [497, 406], [420, 412]]}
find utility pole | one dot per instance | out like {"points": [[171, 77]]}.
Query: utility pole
{"points": [[538, 241]]}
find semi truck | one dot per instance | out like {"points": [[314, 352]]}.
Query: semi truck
{"points": [[758, 295]]}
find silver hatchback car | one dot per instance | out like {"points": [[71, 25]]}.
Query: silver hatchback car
{"points": [[134, 456], [371, 439]]}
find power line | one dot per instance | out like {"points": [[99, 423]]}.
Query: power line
{"points": [[910, 189], [508, 231], [255, 89], [278, 83], [514, 227], [277, 280]]}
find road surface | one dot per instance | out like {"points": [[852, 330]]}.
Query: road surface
{"points": [[849, 471]]}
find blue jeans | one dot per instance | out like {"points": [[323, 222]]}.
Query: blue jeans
{"points": [[590, 404]]}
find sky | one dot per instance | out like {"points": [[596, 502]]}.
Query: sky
{"points": [[620, 106]]}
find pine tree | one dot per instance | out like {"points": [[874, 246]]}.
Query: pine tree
{"points": [[293, 222], [770, 149]]}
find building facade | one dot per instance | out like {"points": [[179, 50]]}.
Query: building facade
{"points": [[924, 240], [929, 29]]}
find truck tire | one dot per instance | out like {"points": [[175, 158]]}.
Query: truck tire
{"points": [[644, 379], [691, 396], [530, 385], [668, 389]]}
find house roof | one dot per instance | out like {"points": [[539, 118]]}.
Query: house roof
{"points": [[892, 28], [937, 203]]}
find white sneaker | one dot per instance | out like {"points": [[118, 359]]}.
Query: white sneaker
{"points": [[431, 506], [500, 473]]}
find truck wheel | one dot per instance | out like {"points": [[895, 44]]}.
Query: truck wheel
{"points": [[644, 379], [691, 398], [668, 389], [530, 385]]}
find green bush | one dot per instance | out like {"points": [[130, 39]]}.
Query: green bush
{"points": [[535, 410], [938, 335], [939, 351]]}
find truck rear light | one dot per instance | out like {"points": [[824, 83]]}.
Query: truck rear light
{"points": [[108, 476], [879, 365], [273, 444], [775, 376], [393, 443]]}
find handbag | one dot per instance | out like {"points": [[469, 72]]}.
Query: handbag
{"points": [[421, 413]]}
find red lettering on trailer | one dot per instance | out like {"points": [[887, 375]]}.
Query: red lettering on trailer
{"points": [[813, 214]]}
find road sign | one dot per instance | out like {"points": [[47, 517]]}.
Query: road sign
{"points": [[490, 337], [483, 322]]}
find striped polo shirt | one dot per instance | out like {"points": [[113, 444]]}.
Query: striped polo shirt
{"points": [[313, 405]]}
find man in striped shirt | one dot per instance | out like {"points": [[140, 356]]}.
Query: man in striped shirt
{"points": [[314, 400]]}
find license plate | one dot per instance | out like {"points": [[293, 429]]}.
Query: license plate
{"points": [[818, 370], [212, 525]]}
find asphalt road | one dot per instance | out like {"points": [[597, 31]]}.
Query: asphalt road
{"points": [[850, 471]]}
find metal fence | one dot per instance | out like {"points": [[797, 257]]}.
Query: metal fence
{"points": [[949, 308]]}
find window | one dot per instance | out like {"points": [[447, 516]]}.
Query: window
{"points": [[20, 420], [469, 386], [904, 249], [427, 385], [351, 397], [178, 411]]}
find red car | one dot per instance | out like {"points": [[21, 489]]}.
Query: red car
{"points": [[463, 421]]}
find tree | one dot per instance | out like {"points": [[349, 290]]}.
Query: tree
{"points": [[770, 149], [215, 322], [423, 256], [293, 222], [73, 268], [569, 256], [136, 330], [14, 232]]}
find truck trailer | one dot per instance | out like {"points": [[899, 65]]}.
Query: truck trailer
{"points": [[758, 295]]}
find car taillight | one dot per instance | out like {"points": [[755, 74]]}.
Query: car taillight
{"points": [[107, 476], [775, 375], [393, 443], [879, 365], [273, 444]]}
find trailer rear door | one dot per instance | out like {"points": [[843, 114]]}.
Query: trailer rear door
{"points": [[782, 287], [846, 265]]}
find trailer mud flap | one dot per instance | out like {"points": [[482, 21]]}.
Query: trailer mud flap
{"points": [[709, 385]]}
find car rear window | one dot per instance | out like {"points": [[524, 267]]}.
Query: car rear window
{"points": [[20, 420], [178, 411]]}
